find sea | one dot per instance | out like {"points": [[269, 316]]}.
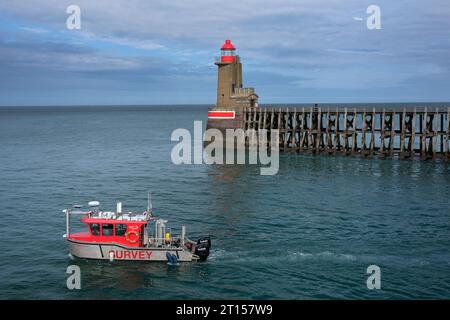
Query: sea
{"points": [[311, 231]]}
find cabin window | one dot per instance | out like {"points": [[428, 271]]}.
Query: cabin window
{"points": [[107, 229], [95, 229], [121, 229]]}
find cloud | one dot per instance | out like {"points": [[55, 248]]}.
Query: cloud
{"points": [[34, 30], [312, 44], [134, 43]]}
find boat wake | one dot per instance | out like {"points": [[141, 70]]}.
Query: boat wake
{"points": [[265, 257]]}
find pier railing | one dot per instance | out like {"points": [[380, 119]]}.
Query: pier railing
{"points": [[407, 134], [243, 91]]}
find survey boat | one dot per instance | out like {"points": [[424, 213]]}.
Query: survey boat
{"points": [[131, 237]]}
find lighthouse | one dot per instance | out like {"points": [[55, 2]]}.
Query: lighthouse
{"points": [[230, 91], [232, 96]]}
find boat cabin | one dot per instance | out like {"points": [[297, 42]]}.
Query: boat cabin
{"points": [[130, 233], [128, 229]]}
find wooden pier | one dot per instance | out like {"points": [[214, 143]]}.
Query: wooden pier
{"points": [[401, 133]]}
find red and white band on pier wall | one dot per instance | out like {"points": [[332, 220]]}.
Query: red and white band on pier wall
{"points": [[221, 114]]}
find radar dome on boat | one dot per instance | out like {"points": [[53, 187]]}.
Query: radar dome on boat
{"points": [[93, 203]]}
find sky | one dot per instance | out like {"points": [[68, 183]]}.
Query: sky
{"points": [[143, 52]]}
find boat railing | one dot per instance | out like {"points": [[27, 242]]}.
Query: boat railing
{"points": [[69, 212], [169, 242]]}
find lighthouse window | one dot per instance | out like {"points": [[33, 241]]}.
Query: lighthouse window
{"points": [[107, 229], [121, 229], [227, 53], [95, 229]]}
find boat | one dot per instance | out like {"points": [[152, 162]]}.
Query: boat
{"points": [[131, 237]]}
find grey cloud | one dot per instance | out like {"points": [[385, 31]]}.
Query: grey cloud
{"points": [[313, 44]]}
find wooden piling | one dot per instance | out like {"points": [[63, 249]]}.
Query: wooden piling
{"points": [[435, 133], [403, 134], [317, 130], [413, 132], [363, 135], [372, 138], [337, 137], [354, 143], [447, 136], [383, 132], [423, 137]]}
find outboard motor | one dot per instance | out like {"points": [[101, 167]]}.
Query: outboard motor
{"points": [[205, 240], [171, 258], [202, 248]]}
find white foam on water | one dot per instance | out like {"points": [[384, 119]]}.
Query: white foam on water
{"points": [[264, 257]]}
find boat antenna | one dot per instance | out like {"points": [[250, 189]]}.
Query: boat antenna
{"points": [[149, 202]]}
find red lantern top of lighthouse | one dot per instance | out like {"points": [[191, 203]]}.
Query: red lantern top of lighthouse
{"points": [[228, 45], [228, 52]]}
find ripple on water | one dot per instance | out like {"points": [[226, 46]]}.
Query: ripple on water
{"points": [[308, 232]]}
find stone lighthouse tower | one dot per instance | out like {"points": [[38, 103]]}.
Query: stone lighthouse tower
{"points": [[229, 75], [232, 97]]}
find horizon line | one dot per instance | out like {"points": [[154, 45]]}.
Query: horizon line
{"points": [[210, 105]]}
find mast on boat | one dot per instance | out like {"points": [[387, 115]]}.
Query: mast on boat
{"points": [[149, 203]]}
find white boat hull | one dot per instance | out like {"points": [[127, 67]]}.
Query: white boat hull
{"points": [[118, 252]]}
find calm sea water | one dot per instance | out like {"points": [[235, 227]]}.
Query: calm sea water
{"points": [[309, 232]]}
